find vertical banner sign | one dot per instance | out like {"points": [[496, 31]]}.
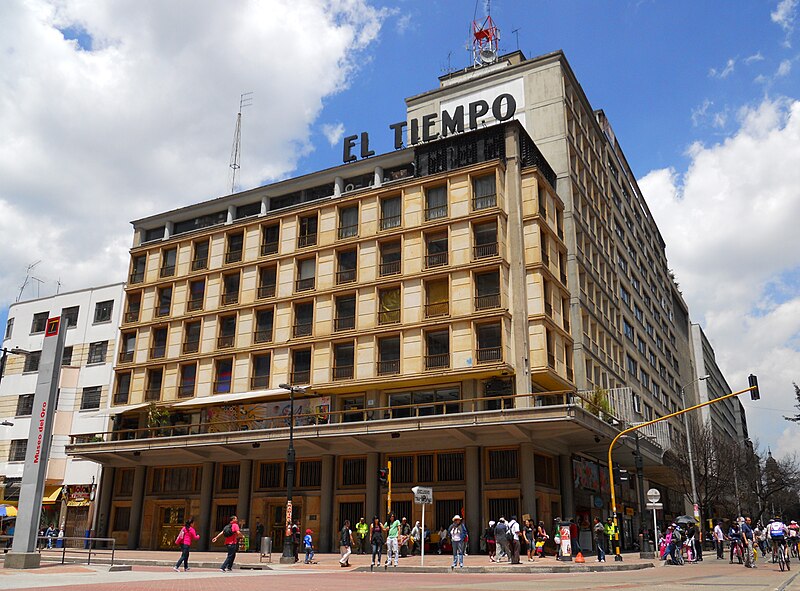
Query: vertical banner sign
{"points": [[39, 439], [289, 519]]}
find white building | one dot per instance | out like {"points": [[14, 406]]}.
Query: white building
{"points": [[93, 319]]}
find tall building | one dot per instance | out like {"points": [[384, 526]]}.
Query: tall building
{"points": [[481, 308], [92, 319]]}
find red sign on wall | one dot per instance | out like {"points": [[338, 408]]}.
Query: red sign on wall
{"points": [[52, 326]]}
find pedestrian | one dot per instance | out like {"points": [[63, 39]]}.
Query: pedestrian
{"points": [[529, 535], [513, 528], [296, 539], [403, 538], [501, 538], [308, 546], [362, 535], [457, 533], [376, 541], [50, 533], [185, 538], [541, 539], [259, 534], [599, 539], [489, 540], [574, 537], [345, 543], [442, 533], [719, 540], [231, 533], [392, 526], [611, 531], [416, 536], [748, 539], [735, 536]]}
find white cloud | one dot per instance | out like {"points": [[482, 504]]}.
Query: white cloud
{"points": [[725, 71], [784, 15], [143, 122], [730, 222], [333, 132], [756, 57], [699, 113], [784, 68]]}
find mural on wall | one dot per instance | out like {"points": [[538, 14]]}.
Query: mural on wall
{"points": [[590, 475], [268, 415]]}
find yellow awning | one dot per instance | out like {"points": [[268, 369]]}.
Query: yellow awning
{"points": [[51, 494]]}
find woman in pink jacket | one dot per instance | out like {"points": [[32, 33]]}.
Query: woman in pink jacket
{"points": [[185, 538]]}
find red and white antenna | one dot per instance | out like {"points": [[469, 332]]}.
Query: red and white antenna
{"points": [[485, 39]]}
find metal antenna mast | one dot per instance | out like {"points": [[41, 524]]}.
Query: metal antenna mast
{"points": [[245, 100], [27, 279]]}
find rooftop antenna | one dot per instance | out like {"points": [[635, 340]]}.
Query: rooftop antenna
{"points": [[245, 100], [516, 34], [449, 68], [485, 39], [27, 279], [58, 286]]}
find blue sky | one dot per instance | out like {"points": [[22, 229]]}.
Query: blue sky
{"points": [[130, 107]]}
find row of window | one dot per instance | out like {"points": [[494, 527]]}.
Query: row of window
{"points": [[90, 400], [69, 318], [97, 354]]}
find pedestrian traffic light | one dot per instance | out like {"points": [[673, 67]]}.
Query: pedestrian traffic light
{"points": [[754, 393], [620, 475], [383, 476]]}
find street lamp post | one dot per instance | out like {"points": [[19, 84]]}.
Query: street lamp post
{"points": [[288, 551], [695, 506]]}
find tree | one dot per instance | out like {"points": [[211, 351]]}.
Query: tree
{"points": [[769, 485], [795, 418]]}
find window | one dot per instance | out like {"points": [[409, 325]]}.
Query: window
{"points": [[307, 235], [348, 222], [389, 355], [197, 291], [485, 239], [168, 258], [90, 398], [354, 409], [223, 376], [626, 297], [264, 323], [24, 405], [632, 366], [303, 319], [39, 322], [200, 256], [346, 261], [354, 471], [122, 519], [247, 210], [490, 343], [69, 316], [102, 311], [269, 475], [487, 290], [391, 215], [343, 361], [301, 366], [229, 477], [627, 328], [164, 301], [153, 234], [154, 379], [484, 192], [122, 391], [191, 337], [32, 361], [390, 254], [503, 464], [66, 358], [435, 250], [138, 265], [436, 203], [261, 365], [270, 235], [422, 403], [645, 379], [345, 318], [17, 451], [9, 328], [158, 344], [437, 298], [389, 305], [188, 379], [267, 281], [235, 245], [230, 289], [402, 469], [637, 312], [134, 306], [97, 352], [437, 344], [227, 332], [450, 466], [306, 271]]}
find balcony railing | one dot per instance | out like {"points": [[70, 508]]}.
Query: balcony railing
{"points": [[266, 291], [305, 284], [388, 316], [344, 323], [233, 256], [225, 341], [390, 222], [302, 329], [551, 360], [344, 372], [194, 304], [482, 251], [192, 346], [158, 352], [259, 382], [268, 248], [435, 213], [302, 376], [489, 355], [198, 264], [162, 311], [132, 315], [230, 298], [348, 231], [121, 397], [392, 268], [263, 336], [438, 259], [548, 309], [125, 356], [222, 386], [137, 277], [437, 309], [438, 361], [304, 240], [346, 276], [186, 390], [389, 367], [167, 271], [487, 302], [484, 202], [152, 394]]}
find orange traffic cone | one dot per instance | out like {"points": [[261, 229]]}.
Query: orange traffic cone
{"points": [[579, 558]]}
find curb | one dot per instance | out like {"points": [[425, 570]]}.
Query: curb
{"points": [[584, 568]]}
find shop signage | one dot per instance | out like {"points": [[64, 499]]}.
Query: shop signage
{"points": [[78, 495]]}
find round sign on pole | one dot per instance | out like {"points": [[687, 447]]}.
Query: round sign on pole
{"points": [[653, 495]]}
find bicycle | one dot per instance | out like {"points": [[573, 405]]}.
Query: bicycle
{"points": [[793, 548], [782, 555], [736, 551]]}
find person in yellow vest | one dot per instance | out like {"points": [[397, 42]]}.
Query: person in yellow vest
{"points": [[362, 535], [611, 531]]}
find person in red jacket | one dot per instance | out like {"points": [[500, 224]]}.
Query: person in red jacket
{"points": [[185, 538]]}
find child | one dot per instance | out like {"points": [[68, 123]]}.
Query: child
{"points": [[308, 545]]}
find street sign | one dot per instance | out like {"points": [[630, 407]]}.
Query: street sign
{"points": [[653, 495], [655, 505], [423, 495]]}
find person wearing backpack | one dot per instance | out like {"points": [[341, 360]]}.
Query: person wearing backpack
{"points": [[308, 546], [490, 540], [185, 538], [501, 539], [231, 533], [513, 539], [346, 543]]}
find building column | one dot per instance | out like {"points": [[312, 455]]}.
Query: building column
{"points": [[326, 504], [567, 486], [206, 495], [527, 481], [472, 502], [137, 504], [243, 500], [104, 502], [372, 500]]}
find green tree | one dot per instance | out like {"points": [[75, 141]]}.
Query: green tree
{"points": [[795, 418]]}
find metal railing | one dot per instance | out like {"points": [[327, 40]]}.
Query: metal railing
{"points": [[485, 201], [482, 251], [266, 291], [345, 276], [390, 268], [438, 259], [487, 302], [52, 548], [348, 231], [198, 264], [269, 248]]}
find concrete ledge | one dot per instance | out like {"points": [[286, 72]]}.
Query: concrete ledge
{"points": [[22, 560], [117, 568]]}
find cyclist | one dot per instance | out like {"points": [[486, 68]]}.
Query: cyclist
{"points": [[793, 530], [735, 536], [778, 533]]}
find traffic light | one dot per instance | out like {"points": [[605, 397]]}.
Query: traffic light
{"points": [[383, 476], [620, 475], [753, 382]]}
